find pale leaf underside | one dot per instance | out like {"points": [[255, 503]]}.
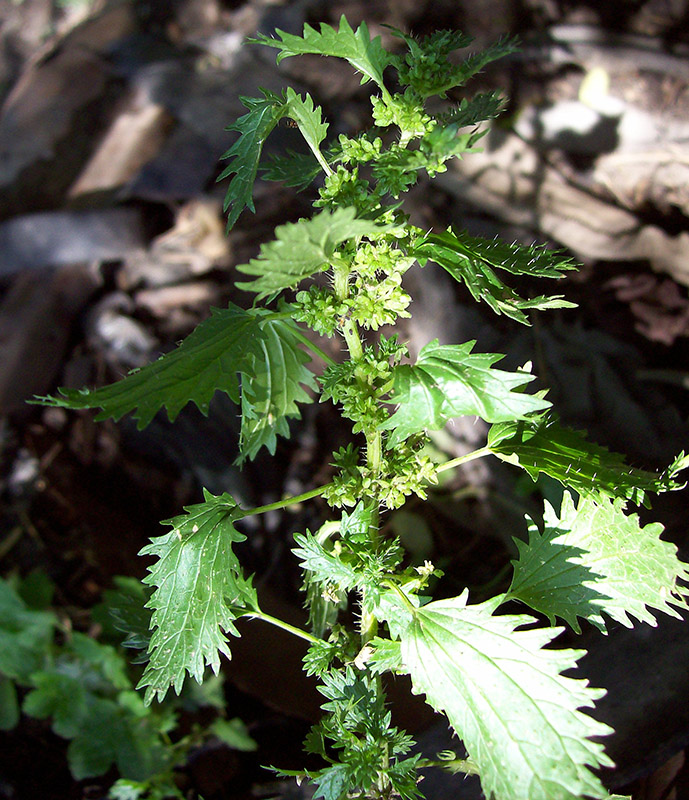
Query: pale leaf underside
{"points": [[504, 694], [594, 558]]}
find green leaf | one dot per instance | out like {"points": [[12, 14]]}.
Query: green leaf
{"points": [[232, 342], [25, 636], [449, 381], [276, 379], [327, 567], [594, 558], [60, 696], [397, 168], [428, 69], [196, 575], [542, 445], [234, 733], [125, 607], [481, 107], [506, 698], [302, 249], [333, 782], [473, 260], [209, 359], [245, 153], [9, 704], [478, 60], [309, 120], [111, 734], [366, 56], [296, 170]]}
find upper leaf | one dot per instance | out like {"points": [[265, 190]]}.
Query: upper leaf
{"points": [[473, 260], [367, 56], [430, 72], [595, 558], [449, 381], [245, 153], [232, 342], [481, 107], [276, 384], [302, 249], [209, 358], [506, 697], [543, 445], [197, 577], [309, 121]]}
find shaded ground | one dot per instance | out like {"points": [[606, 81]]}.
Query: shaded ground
{"points": [[112, 248]]}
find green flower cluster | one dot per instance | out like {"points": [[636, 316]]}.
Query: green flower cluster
{"points": [[404, 471]]}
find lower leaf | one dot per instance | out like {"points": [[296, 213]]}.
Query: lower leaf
{"points": [[506, 697], [199, 587]]}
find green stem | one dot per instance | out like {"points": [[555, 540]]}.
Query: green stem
{"points": [[321, 160], [314, 348], [374, 451], [457, 462], [288, 501], [353, 340], [278, 623]]}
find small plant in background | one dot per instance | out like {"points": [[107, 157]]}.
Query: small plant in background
{"points": [[522, 721], [85, 687]]}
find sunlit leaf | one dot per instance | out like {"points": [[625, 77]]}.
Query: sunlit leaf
{"points": [[450, 381], [594, 558], [198, 582], [506, 697]]}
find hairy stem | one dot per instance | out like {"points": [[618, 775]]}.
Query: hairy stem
{"points": [[457, 462], [278, 623], [288, 501]]}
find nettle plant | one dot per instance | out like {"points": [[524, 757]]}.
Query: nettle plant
{"points": [[489, 670]]}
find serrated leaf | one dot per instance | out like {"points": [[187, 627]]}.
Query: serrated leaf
{"points": [[473, 260], [450, 381], [506, 697], [385, 657], [296, 170], [232, 342], [594, 558], [366, 56], [25, 636], [309, 120], [302, 249], [278, 376], [197, 576], [542, 445], [478, 60], [333, 782], [481, 107], [209, 359], [327, 567], [245, 153]]}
